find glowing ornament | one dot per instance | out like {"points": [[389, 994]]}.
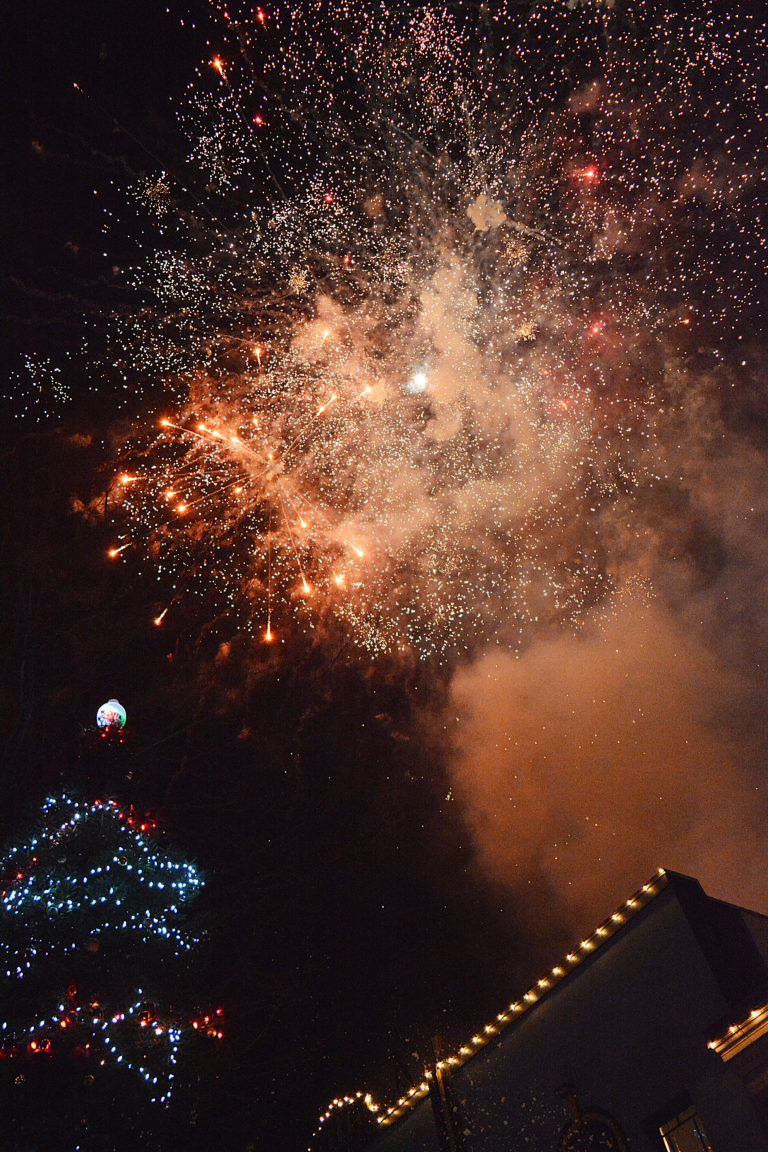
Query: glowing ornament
{"points": [[111, 715]]}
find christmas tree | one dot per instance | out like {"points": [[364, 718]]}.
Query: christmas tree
{"points": [[95, 968]]}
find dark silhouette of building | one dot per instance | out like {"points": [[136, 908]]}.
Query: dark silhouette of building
{"points": [[651, 1035]]}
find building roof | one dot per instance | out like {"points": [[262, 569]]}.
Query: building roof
{"points": [[387, 1114]]}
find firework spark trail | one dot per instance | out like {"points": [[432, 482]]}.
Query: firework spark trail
{"points": [[425, 345]]}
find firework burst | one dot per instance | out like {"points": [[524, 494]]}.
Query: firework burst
{"points": [[414, 306]]}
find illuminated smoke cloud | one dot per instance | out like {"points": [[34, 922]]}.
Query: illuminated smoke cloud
{"points": [[592, 759]]}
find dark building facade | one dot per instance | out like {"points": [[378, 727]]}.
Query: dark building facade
{"points": [[651, 1035]]}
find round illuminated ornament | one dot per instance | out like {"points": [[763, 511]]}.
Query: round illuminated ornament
{"points": [[111, 715]]}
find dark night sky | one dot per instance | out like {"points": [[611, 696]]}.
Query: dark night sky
{"points": [[354, 914], [348, 927]]}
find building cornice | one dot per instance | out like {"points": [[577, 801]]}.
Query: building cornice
{"points": [[740, 1036]]}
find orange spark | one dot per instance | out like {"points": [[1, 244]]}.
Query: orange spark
{"points": [[115, 551]]}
